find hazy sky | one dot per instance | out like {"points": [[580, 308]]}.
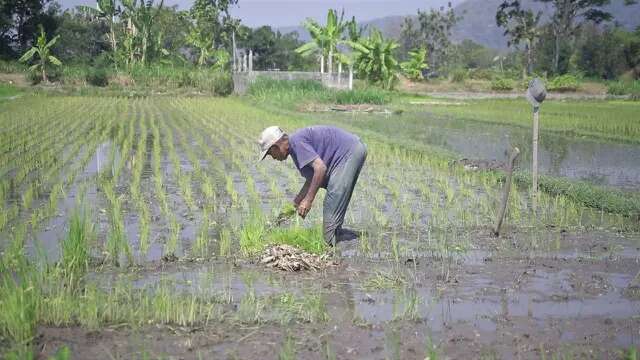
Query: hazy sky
{"points": [[279, 13]]}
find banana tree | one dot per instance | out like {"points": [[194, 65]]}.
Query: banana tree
{"points": [[375, 59], [417, 62], [107, 10], [141, 17], [42, 49], [325, 39]]}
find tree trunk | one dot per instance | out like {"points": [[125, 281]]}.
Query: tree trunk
{"points": [[44, 74], [529, 57], [113, 44], [330, 62], [322, 64], [556, 55]]}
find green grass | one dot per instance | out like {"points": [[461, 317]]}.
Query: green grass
{"points": [[597, 197], [614, 120], [7, 90], [295, 92], [625, 88]]}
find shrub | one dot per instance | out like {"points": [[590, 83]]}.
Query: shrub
{"points": [[481, 74], [97, 76], [34, 77], [562, 83], [631, 88], [459, 75], [502, 84], [222, 84], [364, 96]]}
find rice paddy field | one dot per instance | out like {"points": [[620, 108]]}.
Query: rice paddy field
{"points": [[131, 228]]}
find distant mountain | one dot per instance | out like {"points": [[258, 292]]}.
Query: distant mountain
{"points": [[479, 24]]}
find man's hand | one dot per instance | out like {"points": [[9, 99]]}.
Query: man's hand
{"points": [[304, 207], [298, 199]]}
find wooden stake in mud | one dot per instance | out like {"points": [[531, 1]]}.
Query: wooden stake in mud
{"points": [[507, 188], [534, 157], [536, 93]]}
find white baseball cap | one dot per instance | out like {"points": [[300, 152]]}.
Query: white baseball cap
{"points": [[269, 136]]}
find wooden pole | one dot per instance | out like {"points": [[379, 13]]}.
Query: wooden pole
{"points": [[507, 188], [534, 163]]}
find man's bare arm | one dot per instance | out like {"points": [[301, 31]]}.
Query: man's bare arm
{"points": [[302, 193], [319, 172]]}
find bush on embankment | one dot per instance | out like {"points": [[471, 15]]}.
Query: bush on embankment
{"points": [[605, 199], [296, 91]]}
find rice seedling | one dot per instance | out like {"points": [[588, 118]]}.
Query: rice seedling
{"points": [[288, 349], [75, 246]]}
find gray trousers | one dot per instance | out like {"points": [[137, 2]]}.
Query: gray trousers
{"points": [[339, 189]]}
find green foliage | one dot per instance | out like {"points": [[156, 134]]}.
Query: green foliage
{"points": [[308, 239], [7, 90], [416, 63], [325, 39], [63, 353], [222, 83], [97, 76], [19, 311], [294, 91], [42, 50], [606, 199], [75, 246], [502, 84], [562, 83], [459, 75], [435, 31], [375, 60], [631, 88]]}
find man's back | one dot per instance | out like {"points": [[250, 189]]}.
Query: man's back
{"points": [[333, 145]]}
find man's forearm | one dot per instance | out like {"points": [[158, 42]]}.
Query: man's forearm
{"points": [[316, 182], [305, 188]]}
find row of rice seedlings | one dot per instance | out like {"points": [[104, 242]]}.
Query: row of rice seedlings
{"points": [[42, 182], [140, 203], [117, 242], [40, 130], [58, 190], [171, 244]]}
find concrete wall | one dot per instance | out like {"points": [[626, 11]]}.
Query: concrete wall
{"points": [[242, 80]]}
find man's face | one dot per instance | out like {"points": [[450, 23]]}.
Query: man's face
{"points": [[280, 150]]}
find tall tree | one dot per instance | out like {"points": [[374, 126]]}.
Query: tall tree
{"points": [[141, 17], [570, 15], [106, 10], [435, 30], [409, 35], [211, 26], [19, 20], [520, 26]]}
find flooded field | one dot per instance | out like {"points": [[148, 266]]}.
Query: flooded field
{"points": [[131, 228], [568, 155]]}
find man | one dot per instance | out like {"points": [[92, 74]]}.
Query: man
{"points": [[327, 157]]}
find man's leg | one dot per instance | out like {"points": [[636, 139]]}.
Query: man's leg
{"points": [[339, 190]]}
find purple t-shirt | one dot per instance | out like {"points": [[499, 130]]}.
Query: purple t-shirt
{"points": [[331, 144]]}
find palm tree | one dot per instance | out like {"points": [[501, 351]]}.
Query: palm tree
{"points": [[43, 50], [325, 39], [375, 59]]}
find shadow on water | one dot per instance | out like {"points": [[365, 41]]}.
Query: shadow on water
{"points": [[562, 155]]}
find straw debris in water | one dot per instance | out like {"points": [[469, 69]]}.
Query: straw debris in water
{"points": [[290, 258]]}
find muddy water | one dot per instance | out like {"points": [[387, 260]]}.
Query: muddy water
{"points": [[497, 304], [599, 162]]}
